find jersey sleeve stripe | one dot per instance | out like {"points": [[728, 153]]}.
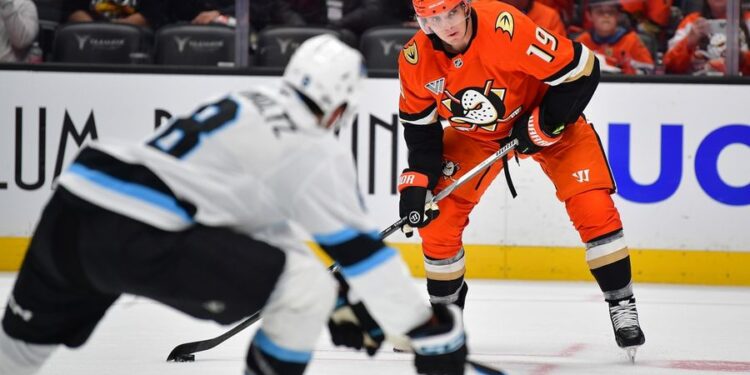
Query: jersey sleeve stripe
{"points": [[371, 262], [269, 347], [349, 246], [426, 117], [577, 64], [586, 68], [337, 238]]}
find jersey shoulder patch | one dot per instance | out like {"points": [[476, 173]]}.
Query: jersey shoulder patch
{"points": [[505, 23], [413, 50]]}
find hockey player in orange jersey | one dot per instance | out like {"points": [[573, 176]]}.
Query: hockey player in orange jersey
{"points": [[493, 75]]}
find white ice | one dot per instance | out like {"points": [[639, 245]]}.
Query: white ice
{"points": [[524, 328]]}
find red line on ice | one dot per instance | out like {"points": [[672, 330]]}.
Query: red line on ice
{"points": [[722, 366], [570, 351]]}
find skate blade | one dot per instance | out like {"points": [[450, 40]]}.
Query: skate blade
{"points": [[631, 351]]}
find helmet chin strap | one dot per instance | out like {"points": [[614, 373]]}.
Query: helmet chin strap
{"points": [[333, 118]]}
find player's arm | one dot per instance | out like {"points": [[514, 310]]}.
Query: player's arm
{"points": [[330, 207], [571, 88], [568, 67], [423, 134]]}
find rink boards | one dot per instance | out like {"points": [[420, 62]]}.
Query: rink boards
{"points": [[678, 152]]}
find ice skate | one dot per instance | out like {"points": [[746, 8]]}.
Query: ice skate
{"points": [[628, 333]]}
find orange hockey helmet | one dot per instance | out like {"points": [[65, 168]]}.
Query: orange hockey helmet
{"points": [[432, 12]]}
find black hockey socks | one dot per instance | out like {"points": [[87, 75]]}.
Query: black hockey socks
{"points": [[445, 280], [615, 280], [609, 262]]}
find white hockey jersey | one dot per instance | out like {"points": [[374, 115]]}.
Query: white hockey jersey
{"points": [[254, 161], [251, 161]]}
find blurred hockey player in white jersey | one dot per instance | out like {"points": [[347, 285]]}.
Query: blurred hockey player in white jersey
{"points": [[198, 217]]}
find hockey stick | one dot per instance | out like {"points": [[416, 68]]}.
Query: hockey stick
{"points": [[184, 352], [497, 155]]}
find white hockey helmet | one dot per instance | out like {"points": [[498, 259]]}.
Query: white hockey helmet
{"points": [[330, 74]]}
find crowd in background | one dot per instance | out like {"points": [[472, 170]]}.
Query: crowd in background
{"points": [[628, 36]]}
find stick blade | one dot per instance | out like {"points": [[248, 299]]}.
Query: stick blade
{"points": [[181, 352]]}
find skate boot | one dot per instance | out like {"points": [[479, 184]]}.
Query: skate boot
{"points": [[628, 333]]}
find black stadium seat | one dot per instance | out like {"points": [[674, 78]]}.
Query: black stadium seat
{"points": [[381, 46], [94, 42], [276, 44], [195, 45]]}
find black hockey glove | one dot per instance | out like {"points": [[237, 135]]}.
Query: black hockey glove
{"points": [[415, 202], [533, 134], [351, 325], [440, 344]]}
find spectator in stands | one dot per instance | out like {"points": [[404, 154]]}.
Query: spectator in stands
{"points": [[619, 50], [699, 45], [353, 15], [564, 8], [19, 26], [648, 16], [120, 11], [399, 12], [262, 13], [543, 15]]}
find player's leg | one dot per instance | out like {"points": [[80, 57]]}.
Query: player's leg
{"points": [[444, 254], [597, 220], [293, 318], [578, 167], [217, 274], [52, 303], [442, 243], [206, 272]]}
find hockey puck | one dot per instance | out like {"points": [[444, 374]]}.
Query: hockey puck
{"points": [[185, 358]]}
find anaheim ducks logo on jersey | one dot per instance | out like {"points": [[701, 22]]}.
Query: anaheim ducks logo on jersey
{"points": [[505, 23], [410, 53], [477, 108]]}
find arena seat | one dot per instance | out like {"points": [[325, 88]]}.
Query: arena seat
{"points": [[381, 45], [276, 44], [95, 42], [187, 44]]}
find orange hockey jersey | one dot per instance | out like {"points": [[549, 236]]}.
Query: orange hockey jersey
{"points": [[503, 73]]}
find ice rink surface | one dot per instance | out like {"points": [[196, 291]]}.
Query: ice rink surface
{"points": [[524, 328]]}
